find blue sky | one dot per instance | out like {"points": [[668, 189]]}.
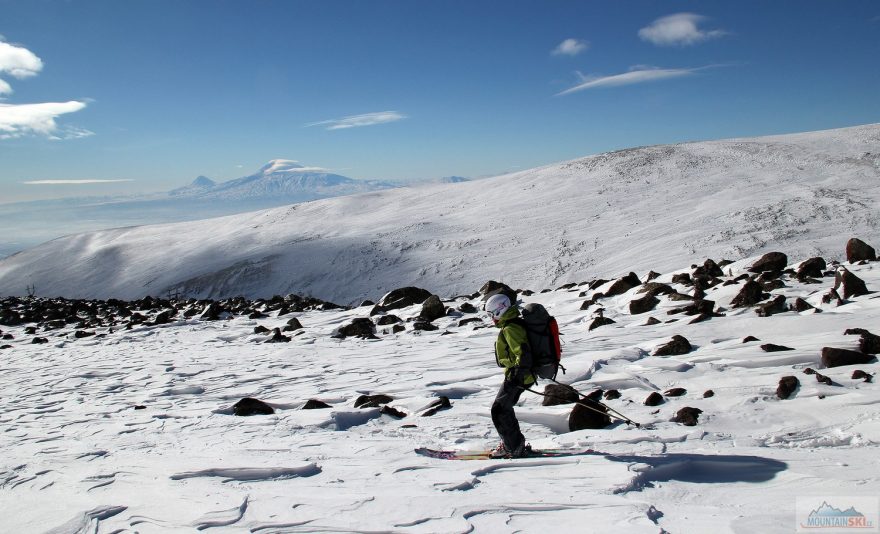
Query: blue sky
{"points": [[131, 96]]}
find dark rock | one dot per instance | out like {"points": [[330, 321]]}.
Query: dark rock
{"points": [[654, 399], [855, 331], [687, 416], [140, 407], [393, 412], [832, 357], [869, 343], [367, 302], [79, 334], [39, 340], [469, 321], [278, 337], [432, 309], [623, 285], [372, 401], [679, 345], [787, 386], [773, 285], [750, 294], [4, 347], [700, 318], [211, 312], [708, 393], [442, 403], [315, 404], [257, 315], [600, 321], [777, 305], [388, 319], [822, 379], [595, 284], [709, 268], [682, 278], [425, 326], [770, 347], [293, 325], [556, 394], [772, 261], [492, 287], [652, 321], [652, 276], [853, 286], [679, 297], [656, 288], [248, 406], [397, 328], [811, 268], [832, 296], [358, 327], [801, 305], [402, 298], [858, 373], [675, 392], [612, 394], [30, 330], [809, 371], [588, 414], [260, 329], [857, 250], [643, 305], [467, 307]]}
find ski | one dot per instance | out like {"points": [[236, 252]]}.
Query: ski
{"points": [[488, 454]]}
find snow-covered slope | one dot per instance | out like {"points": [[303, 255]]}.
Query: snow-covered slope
{"points": [[131, 430], [600, 216]]}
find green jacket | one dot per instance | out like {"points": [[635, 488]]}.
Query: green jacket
{"points": [[512, 348]]}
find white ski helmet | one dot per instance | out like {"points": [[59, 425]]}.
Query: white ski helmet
{"points": [[496, 306]]}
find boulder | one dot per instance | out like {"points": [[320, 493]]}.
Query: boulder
{"points": [[869, 343], [248, 406], [857, 250], [393, 412], [388, 319], [442, 403], [679, 345], [682, 278], [811, 268], [656, 288], [675, 392], [652, 321], [654, 399], [278, 337], [858, 373], [623, 285], [833, 357], [801, 305], [315, 404], [822, 379], [402, 298], [396, 329], [260, 329], [611, 394], [293, 325], [643, 305], [39, 341], [687, 416], [770, 347], [358, 327], [750, 294], [600, 321], [432, 308], [492, 287], [372, 401], [588, 414], [787, 386], [467, 307], [708, 394], [211, 312], [772, 261], [424, 326], [710, 269], [777, 305], [853, 286], [556, 394]]}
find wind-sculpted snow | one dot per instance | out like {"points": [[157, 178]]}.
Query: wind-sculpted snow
{"points": [[132, 430], [602, 216]]}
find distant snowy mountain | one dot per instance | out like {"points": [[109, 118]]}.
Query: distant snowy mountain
{"points": [[280, 179], [653, 207]]}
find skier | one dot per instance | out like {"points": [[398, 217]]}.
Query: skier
{"points": [[513, 353]]}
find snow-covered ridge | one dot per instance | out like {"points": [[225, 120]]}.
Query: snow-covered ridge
{"points": [[600, 216]]}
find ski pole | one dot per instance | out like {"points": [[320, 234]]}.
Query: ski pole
{"points": [[622, 417], [609, 408]]}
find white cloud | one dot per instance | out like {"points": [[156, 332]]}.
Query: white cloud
{"points": [[38, 119], [570, 47], [73, 182], [639, 74], [18, 62], [678, 30], [356, 121]]}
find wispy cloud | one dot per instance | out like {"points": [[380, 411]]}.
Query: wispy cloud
{"points": [[73, 182], [680, 29], [39, 119], [570, 47], [357, 121], [640, 74]]}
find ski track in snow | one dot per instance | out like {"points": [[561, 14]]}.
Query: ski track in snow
{"points": [[79, 458]]}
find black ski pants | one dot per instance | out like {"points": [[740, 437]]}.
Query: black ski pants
{"points": [[503, 416]]}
